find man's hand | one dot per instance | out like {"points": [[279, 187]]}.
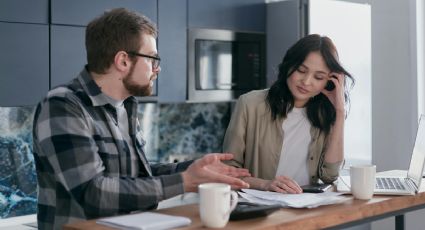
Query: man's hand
{"points": [[210, 169]]}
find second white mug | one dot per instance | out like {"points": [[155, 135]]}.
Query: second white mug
{"points": [[216, 201], [362, 179]]}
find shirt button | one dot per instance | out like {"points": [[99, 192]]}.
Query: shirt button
{"points": [[311, 158]]}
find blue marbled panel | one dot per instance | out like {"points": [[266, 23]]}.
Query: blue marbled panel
{"points": [[190, 130], [18, 182], [182, 130]]}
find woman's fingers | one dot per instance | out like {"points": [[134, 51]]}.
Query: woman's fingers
{"points": [[277, 187], [289, 185]]}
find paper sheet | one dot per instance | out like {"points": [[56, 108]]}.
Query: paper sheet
{"points": [[303, 200]]}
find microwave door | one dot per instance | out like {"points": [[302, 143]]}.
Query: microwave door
{"points": [[247, 66], [223, 64], [213, 64]]}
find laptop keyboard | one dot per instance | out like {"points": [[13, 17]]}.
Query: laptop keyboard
{"points": [[389, 183]]}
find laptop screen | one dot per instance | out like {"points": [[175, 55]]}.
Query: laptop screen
{"points": [[418, 157]]}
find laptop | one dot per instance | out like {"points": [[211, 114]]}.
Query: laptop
{"points": [[392, 185]]}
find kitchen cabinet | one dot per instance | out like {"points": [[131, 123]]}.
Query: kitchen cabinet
{"points": [[67, 53], [239, 15], [285, 25], [28, 11], [24, 63], [69, 18], [81, 12], [172, 47], [174, 20], [24, 43], [44, 39]]}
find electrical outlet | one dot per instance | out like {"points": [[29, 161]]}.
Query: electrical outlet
{"points": [[175, 158]]}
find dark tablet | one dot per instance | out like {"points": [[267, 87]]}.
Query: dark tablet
{"points": [[316, 188], [246, 210]]}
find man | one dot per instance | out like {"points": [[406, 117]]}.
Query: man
{"points": [[87, 140]]}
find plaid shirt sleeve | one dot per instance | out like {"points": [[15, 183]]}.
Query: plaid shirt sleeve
{"points": [[164, 169], [69, 162]]}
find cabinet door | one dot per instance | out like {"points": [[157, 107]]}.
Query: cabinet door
{"points": [[240, 15], [284, 27], [172, 49], [68, 53], [31, 11], [81, 12], [24, 63]]}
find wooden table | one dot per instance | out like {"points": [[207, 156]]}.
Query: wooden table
{"points": [[349, 213]]}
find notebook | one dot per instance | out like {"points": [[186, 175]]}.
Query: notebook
{"points": [[407, 185], [145, 221]]}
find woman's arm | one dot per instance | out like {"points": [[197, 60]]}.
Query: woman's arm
{"points": [[234, 138], [335, 145]]}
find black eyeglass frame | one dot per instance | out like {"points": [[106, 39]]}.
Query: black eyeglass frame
{"points": [[155, 63]]}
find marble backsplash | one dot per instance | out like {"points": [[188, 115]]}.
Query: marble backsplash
{"points": [[173, 132], [18, 182]]}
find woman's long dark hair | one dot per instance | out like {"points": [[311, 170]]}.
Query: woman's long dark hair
{"points": [[320, 110]]}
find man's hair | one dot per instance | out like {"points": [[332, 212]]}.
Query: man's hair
{"points": [[116, 30], [320, 110]]}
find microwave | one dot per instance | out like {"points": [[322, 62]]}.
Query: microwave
{"points": [[223, 64]]}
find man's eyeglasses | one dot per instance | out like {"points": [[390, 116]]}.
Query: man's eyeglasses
{"points": [[155, 60]]}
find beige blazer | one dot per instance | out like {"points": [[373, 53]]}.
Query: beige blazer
{"points": [[256, 141]]}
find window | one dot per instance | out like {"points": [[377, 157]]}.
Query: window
{"points": [[349, 26]]}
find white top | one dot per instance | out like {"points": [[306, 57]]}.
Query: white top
{"points": [[294, 153], [125, 133]]}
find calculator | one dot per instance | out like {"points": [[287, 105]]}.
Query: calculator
{"points": [[246, 210]]}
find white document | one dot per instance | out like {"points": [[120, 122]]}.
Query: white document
{"points": [[253, 199], [145, 221], [303, 200]]}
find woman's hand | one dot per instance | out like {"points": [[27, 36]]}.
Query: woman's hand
{"points": [[336, 96], [282, 184]]}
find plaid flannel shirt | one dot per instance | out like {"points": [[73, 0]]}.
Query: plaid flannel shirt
{"points": [[84, 167]]}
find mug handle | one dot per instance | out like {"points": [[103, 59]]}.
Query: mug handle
{"points": [[233, 203]]}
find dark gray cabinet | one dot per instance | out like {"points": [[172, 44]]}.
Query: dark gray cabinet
{"points": [[282, 32], [176, 17], [24, 43], [172, 24], [43, 40], [239, 15], [69, 18], [30, 11], [81, 12], [67, 53], [24, 63]]}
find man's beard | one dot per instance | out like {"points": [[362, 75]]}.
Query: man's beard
{"points": [[133, 88]]}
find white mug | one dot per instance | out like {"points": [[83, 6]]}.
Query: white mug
{"points": [[215, 204], [362, 179]]}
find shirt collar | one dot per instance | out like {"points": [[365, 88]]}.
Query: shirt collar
{"points": [[97, 97]]}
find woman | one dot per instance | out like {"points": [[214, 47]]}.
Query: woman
{"points": [[293, 133]]}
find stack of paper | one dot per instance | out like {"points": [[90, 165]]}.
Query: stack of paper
{"points": [[303, 200], [145, 221]]}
